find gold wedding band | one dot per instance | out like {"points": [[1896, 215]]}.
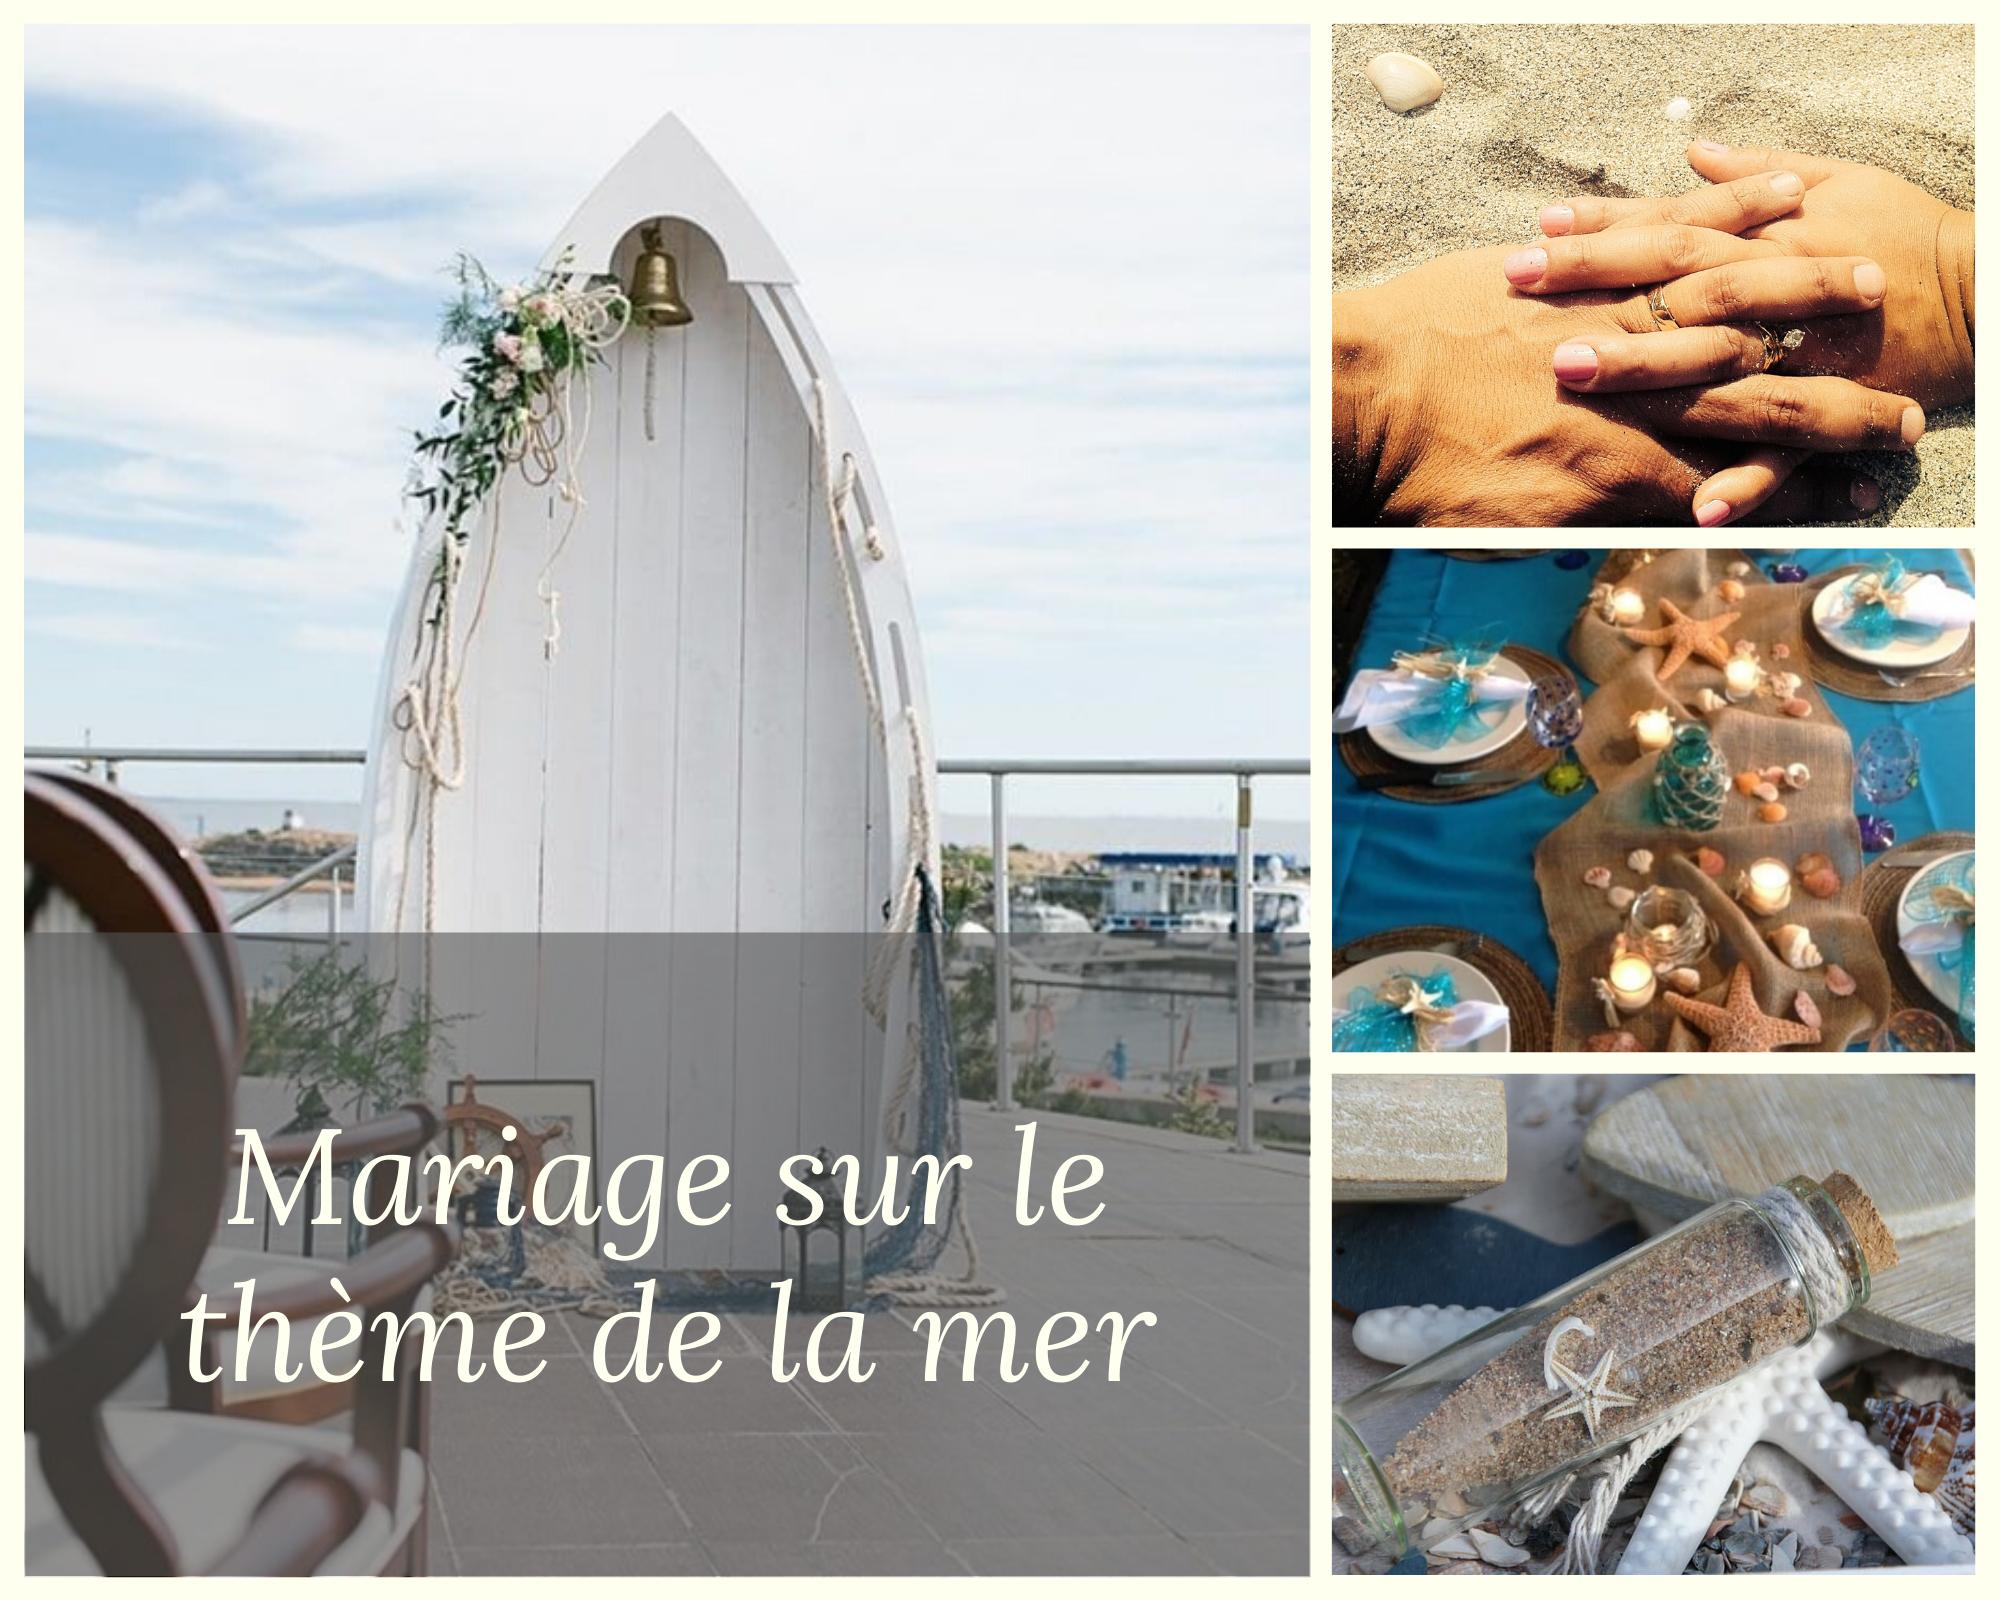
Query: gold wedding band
{"points": [[1656, 302]]}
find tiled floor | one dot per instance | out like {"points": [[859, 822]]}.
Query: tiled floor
{"points": [[1195, 1463]]}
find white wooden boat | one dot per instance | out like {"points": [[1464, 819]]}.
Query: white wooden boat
{"points": [[697, 755]]}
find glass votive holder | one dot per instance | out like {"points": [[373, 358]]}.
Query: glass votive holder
{"points": [[1667, 927]]}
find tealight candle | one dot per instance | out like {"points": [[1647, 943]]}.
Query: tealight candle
{"points": [[1767, 886], [1626, 606], [1741, 677], [1654, 729], [1632, 983]]}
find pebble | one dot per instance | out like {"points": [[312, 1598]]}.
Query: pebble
{"points": [[1711, 862], [1748, 782], [1404, 82], [1458, 1544], [1496, 1551], [1822, 884], [1678, 109], [1771, 811]]}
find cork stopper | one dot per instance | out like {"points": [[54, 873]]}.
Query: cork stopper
{"points": [[1878, 1244]]}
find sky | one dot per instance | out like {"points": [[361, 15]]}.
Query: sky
{"points": [[1063, 274]]}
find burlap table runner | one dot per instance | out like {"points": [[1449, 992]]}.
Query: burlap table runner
{"points": [[1756, 733]]}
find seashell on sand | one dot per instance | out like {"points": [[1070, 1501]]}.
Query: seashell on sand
{"points": [[1710, 861], [1598, 878], [1404, 82], [1839, 980], [1620, 1040], [1771, 811], [1934, 1444], [1684, 980], [1795, 948], [1640, 861], [1808, 1013], [1620, 896]]}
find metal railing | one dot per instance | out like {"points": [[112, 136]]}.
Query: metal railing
{"points": [[1244, 771]]}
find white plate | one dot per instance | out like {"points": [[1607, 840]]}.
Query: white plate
{"points": [[1472, 984], [1393, 741], [1941, 982], [1897, 652]]}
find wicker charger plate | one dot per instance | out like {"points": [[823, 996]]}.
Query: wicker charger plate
{"points": [[1844, 675], [1364, 757], [1531, 1016], [1492, 555], [1882, 884]]}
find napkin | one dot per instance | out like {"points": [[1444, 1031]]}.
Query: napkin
{"points": [[1436, 694], [1886, 602], [1408, 1012]]}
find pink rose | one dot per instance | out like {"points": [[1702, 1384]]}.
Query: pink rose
{"points": [[508, 346]]}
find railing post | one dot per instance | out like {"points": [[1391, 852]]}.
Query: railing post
{"points": [[1003, 972], [1246, 974], [333, 907]]}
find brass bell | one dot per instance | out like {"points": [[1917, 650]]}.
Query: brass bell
{"points": [[656, 285]]}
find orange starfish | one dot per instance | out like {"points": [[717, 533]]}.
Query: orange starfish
{"points": [[1685, 637], [1738, 1024]]}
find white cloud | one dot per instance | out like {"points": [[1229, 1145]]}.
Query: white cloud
{"points": [[115, 629]]}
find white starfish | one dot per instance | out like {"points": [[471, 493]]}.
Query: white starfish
{"points": [[1589, 1397], [1781, 1403]]}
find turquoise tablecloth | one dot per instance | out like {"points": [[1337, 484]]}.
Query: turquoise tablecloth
{"points": [[1472, 864]]}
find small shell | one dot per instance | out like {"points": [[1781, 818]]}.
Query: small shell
{"points": [[1729, 589], [1767, 792], [1798, 708], [1496, 1551], [1684, 980], [1620, 896], [1797, 775], [1921, 1439], [1839, 980], [1598, 878], [1404, 82], [1710, 861], [1748, 782], [1772, 774], [1640, 861], [1812, 861], [1707, 701], [1768, 1498], [1611, 1041], [1784, 685], [1771, 811], [1781, 651], [1678, 109], [1795, 948], [1821, 884], [1739, 569], [1808, 1013], [1747, 648]]}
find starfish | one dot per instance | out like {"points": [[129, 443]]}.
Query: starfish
{"points": [[1738, 1024], [1684, 637], [1780, 1403], [1589, 1398]]}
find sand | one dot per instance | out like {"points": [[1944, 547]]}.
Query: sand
{"points": [[1531, 114]]}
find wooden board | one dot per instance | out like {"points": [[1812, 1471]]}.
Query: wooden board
{"points": [[1410, 1138], [696, 756], [1680, 1145]]}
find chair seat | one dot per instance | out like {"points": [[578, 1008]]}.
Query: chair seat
{"points": [[205, 1476]]}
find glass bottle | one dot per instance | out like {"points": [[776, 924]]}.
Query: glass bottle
{"points": [[1553, 1385], [1690, 781]]}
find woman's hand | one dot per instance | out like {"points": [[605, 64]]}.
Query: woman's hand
{"points": [[1917, 339], [1444, 412]]}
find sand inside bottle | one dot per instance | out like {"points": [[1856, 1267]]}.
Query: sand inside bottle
{"points": [[1694, 1311]]}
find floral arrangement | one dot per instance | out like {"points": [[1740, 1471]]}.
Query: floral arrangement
{"points": [[522, 343]]}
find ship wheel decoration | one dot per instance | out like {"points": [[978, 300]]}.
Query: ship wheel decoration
{"points": [[471, 1127]]}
